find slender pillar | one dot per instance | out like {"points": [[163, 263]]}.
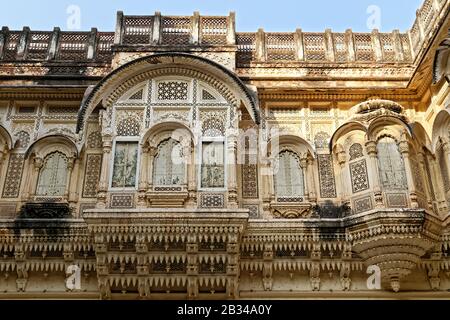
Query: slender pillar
{"points": [[371, 149], [422, 163], [231, 174], [73, 181], [404, 150], [344, 177], [191, 177], [143, 176], [104, 174], [38, 162], [70, 165]]}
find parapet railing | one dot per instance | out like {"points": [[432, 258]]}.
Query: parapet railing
{"points": [[159, 32]]}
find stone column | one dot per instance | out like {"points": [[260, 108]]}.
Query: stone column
{"points": [[439, 187], [304, 166], [143, 177], [231, 174], [38, 162], [350, 45], [152, 151], [73, 180], [299, 48], [344, 177], [374, 179], [312, 181], [404, 150], [422, 164], [446, 149], [260, 45], [104, 174], [191, 177]]}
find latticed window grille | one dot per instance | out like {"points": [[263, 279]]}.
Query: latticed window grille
{"points": [[288, 176], [12, 41], [176, 30], [169, 164], [137, 29], [387, 46], [356, 151], [340, 48], [363, 47], [213, 127], [125, 165], [73, 45], [38, 43], [173, 90], [391, 165], [280, 46], [104, 43], [23, 139], [246, 43], [128, 127], [404, 39], [314, 46], [53, 176], [213, 30]]}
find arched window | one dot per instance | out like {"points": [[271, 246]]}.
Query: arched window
{"points": [[288, 176], [169, 165], [53, 176], [391, 165]]}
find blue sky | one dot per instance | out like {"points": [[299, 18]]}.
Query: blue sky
{"points": [[275, 15]]}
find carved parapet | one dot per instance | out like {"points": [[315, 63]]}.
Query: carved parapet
{"points": [[394, 241]]}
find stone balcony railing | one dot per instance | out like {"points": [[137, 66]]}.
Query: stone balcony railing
{"points": [[157, 32]]}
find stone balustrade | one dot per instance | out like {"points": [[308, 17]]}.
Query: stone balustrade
{"points": [[157, 32]]}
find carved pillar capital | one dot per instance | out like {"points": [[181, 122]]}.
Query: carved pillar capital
{"points": [[371, 148], [38, 162]]}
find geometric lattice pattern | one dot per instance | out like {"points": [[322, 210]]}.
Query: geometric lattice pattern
{"points": [[212, 200], [122, 201], [362, 205], [13, 178], [94, 140], [128, 127], [396, 200], [358, 173], [92, 175], [23, 139], [173, 90], [356, 151], [326, 176]]}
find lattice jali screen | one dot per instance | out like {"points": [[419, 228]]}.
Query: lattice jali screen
{"points": [[280, 46], [246, 43], [137, 29], [387, 46], [314, 46], [340, 48], [73, 45], [38, 43], [415, 35], [213, 30], [427, 14], [11, 44], [404, 39], [363, 47], [104, 42], [176, 30]]}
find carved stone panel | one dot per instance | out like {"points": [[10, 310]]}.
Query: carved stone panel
{"points": [[358, 173], [326, 176], [13, 177], [92, 175]]}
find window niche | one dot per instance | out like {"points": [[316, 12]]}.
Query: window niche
{"points": [[124, 173], [52, 179]]}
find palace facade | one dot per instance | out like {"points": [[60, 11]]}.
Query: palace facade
{"points": [[176, 158]]}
